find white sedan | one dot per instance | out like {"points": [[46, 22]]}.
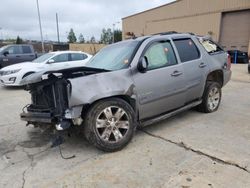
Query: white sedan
{"points": [[12, 75]]}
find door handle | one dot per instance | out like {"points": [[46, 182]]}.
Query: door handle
{"points": [[176, 73], [17, 56], [202, 65]]}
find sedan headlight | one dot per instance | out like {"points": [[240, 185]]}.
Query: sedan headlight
{"points": [[10, 72]]}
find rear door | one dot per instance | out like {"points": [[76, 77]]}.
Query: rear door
{"points": [[194, 66], [162, 87], [28, 54]]}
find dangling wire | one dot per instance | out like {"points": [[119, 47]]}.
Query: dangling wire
{"points": [[71, 157]]}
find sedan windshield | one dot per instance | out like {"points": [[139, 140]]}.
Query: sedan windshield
{"points": [[43, 58], [114, 57]]}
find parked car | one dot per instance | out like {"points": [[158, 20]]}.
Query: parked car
{"points": [[238, 56], [16, 53], [14, 74], [132, 83]]}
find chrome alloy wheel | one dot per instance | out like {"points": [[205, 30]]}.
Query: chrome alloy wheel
{"points": [[112, 124], [213, 98]]}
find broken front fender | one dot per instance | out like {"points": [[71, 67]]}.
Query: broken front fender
{"points": [[86, 90]]}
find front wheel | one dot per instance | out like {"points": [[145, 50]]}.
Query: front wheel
{"points": [[110, 124], [211, 98]]}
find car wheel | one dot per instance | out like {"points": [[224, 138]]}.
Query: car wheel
{"points": [[110, 124], [211, 98]]}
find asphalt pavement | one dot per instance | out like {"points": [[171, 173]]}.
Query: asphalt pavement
{"points": [[191, 149]]}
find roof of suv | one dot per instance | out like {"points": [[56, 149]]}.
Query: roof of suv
{"points": [[171, 34]]}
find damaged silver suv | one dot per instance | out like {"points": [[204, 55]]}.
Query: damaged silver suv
{"points": [[132, 83]]}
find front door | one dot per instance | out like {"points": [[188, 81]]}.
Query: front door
{"points": [[61, 61], [162, 87], [14, 56]]}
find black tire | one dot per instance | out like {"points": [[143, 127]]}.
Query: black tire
{"points": [[27, 74], [204, 106], [94, 134]]}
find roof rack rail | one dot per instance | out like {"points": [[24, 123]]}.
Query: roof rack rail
{"points": [[191, 33], [166, 33]]}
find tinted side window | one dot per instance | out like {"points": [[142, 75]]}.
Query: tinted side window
{"points": [[160, 54], [26, 50], [61, 58], [187, 49], [14, 50], [78, 57]]}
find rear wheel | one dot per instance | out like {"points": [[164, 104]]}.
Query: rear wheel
{"points": [[211, 98], [109, 124]]}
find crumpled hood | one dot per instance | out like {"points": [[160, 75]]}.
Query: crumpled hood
{"points": [[21, 66], [38, 76]]}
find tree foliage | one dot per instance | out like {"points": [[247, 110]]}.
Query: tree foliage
{"points": [[92, 39], [71, 36], [81, 39], [106, 36], [117, 35], [19, 40]]}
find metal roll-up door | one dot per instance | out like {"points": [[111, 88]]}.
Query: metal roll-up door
{"points": [[235, 30]]}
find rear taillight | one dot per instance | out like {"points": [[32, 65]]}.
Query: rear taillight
{"points": [[228, 62]]}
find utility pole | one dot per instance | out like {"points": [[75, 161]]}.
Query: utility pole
{"points": [[58, 39], [40, 25]]}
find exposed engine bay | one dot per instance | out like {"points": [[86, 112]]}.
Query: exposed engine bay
{"points": [[50, 97]]}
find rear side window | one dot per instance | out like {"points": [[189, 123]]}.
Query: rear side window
{"points": [[61, 58], [78, 57], [187, 49], [210, 46], [26, 50]]}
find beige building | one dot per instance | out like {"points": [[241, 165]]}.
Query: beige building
{"points": [[226, 21]]}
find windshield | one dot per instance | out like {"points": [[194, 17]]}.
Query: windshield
{"points": [[3, 48], [43, 58], [114, 57]]}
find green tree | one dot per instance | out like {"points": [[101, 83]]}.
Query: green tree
{"points": [[106, 36], [81, 39], [71, 36], [19, 40], [117, 35], [92, 39]]}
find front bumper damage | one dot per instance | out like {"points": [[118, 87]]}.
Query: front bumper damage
{"points": [[50, 95], [60, 98], [49, 104]]}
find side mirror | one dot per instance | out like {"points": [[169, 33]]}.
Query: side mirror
{"points": [[6, 53], [142, 65], [51, 61]]}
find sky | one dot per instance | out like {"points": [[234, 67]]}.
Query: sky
{"points": [[89, 17]]}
